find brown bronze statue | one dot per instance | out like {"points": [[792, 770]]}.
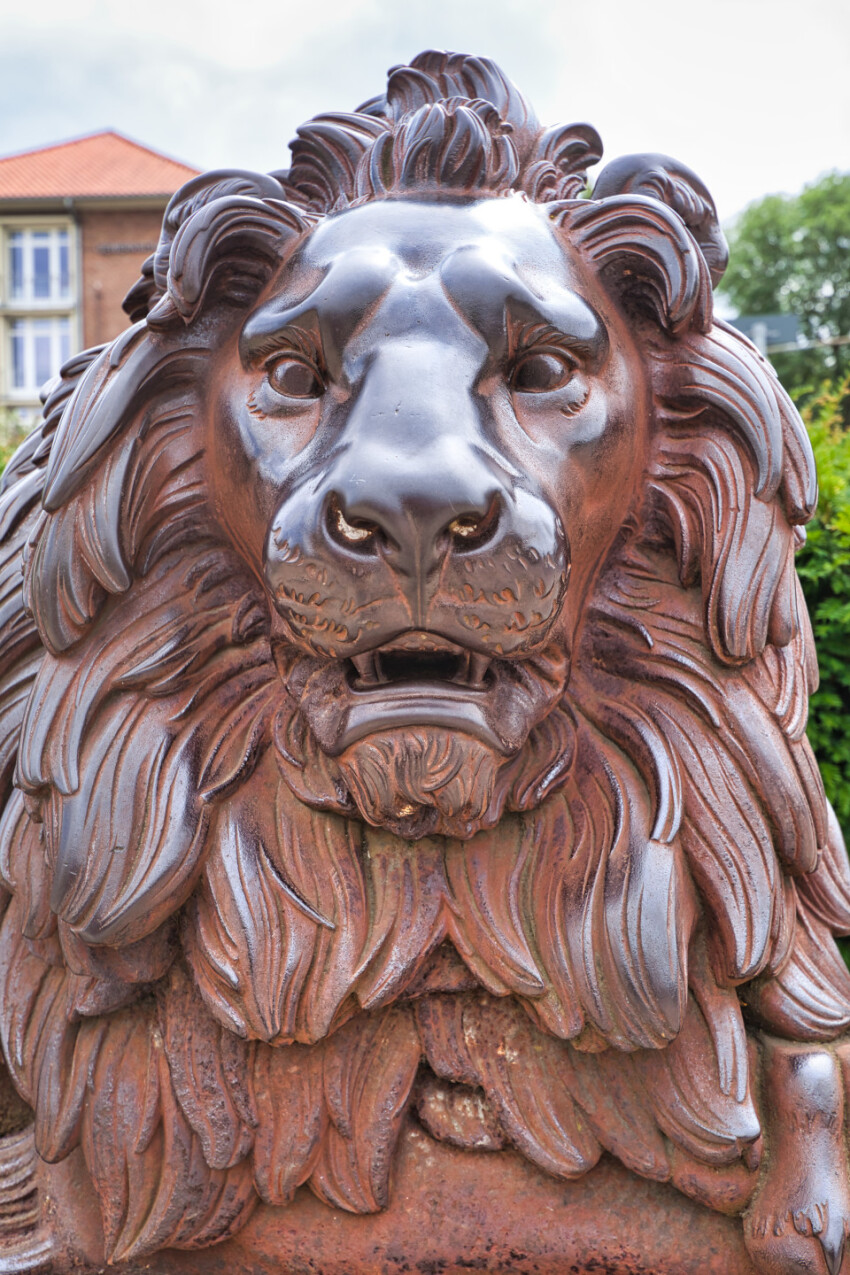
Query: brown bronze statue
{"points": [[403, 695]]}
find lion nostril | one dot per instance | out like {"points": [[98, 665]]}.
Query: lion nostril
{"points": [[359, 535], [470, 531], [349, 531], [465, 527]]}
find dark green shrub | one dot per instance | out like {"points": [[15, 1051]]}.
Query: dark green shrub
{"points": [[824, 567]]}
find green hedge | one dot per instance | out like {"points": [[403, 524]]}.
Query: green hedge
{"points": [[824, 567], [6, 450]]}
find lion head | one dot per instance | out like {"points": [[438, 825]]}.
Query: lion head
{"points": [[409, 640]]}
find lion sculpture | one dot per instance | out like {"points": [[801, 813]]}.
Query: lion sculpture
{"points": [[403, 691]]}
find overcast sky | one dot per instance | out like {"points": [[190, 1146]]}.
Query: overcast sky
{"points": [[753, 94]]}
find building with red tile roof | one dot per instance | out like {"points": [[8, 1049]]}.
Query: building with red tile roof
{"points": [[103, 165], [77, 219]]}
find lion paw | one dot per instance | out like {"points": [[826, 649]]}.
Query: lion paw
{"points": [[799, 1219]]}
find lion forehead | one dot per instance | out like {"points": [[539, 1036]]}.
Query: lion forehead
{"points": [[486, 256]]}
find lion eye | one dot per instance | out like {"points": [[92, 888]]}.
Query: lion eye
{"points": [[538, 373], [296, 379]]}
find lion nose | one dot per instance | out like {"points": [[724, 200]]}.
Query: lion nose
{"points": [[373, 527], [350, 563]]}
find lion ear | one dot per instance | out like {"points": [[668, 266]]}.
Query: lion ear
{"points": [[220, 183], [674, 184], [229, 247], [647, 253], [249, 227]]}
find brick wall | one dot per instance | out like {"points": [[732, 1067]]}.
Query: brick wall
{"points": [[114, 245]]}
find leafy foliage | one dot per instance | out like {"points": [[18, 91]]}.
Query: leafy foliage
{"points": [[13, 431], [824, 567], [791, 255]]}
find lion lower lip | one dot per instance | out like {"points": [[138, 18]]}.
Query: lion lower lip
{"points": [[399, 705]]}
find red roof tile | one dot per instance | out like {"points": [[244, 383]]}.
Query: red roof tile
{"points": [[103, 164]]}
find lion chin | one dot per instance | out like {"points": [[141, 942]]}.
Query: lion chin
{"points": [[500, 743], [423, 782]]}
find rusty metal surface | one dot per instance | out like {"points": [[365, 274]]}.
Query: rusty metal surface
{"points": [[453, 1211], [403, 689]]}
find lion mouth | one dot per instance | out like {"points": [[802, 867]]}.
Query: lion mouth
{"points": [[420, 680], [400, 665]]}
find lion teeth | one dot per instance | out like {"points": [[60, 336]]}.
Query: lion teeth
{"points": [[462, 672], [367, 668], [478, 666], [470, 670]]}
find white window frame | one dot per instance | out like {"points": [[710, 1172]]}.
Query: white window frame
{"points": [[31, 236], [58, 328], [65, 308], [29, 240]]}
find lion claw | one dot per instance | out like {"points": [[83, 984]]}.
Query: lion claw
{"points": [[816, 1223], [789, 1244], [833, 1251]]}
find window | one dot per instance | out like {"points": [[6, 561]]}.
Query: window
{"points": [[39, 347], [39, 265]]}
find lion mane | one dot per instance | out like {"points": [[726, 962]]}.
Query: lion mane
{"points": [[189, 881]]}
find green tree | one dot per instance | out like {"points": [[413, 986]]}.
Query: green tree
{"points": [[790, 254]]}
